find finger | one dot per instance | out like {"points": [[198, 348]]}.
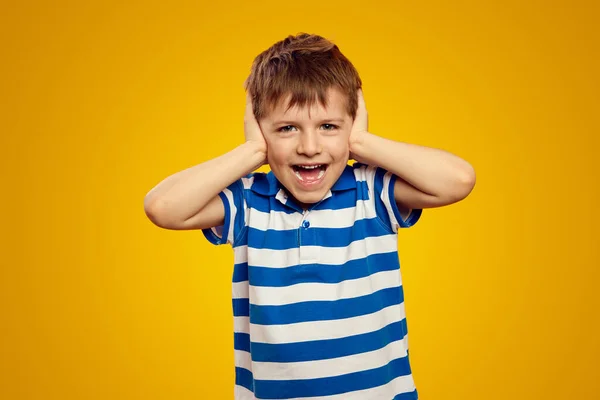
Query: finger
{"points": [[249, 109], [361, 121], [249, 115], [251, 125], [362, 107]]}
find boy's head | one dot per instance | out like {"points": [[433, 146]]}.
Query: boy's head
{"points": [[304, 96]]}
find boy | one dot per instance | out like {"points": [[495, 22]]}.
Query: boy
{"points": [[317, 294]]}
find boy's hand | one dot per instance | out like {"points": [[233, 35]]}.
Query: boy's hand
{"points": [[359, 127], [252, 131]]}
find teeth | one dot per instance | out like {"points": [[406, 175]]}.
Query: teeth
{"points": [[309, 166], [321, 173]]}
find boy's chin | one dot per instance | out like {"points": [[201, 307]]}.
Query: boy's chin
{"points": [[306, 198], [309, 200]]}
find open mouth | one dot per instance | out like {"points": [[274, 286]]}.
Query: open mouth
{"points": [[309, 173]]}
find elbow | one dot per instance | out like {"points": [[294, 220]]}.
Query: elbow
{"points": [[157, 212], [465, 182], [152, 210], [459, 187]]}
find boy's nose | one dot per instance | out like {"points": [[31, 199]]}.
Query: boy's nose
{"points": [[309, 144]]}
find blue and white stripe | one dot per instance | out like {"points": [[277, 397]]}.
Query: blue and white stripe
{"points": [[317, 296]]}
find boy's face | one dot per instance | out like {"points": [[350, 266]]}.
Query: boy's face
{"points": [[307, 147]]}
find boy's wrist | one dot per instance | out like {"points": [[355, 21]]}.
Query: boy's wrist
{"points": [[257, 152], [358, 145]]}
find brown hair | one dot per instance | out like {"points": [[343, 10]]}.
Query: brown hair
{"points": [[303, 66]]}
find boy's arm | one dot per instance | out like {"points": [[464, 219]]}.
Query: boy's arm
{"points": [[190, 199], [426, 177]]}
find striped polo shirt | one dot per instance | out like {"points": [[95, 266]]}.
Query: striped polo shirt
{"points": [[318, 302]]}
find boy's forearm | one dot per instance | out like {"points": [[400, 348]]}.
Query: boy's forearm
{"points": [[184, 194], [432, 171]]}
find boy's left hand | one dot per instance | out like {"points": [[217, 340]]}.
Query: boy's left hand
{"points": [[359, 127]]}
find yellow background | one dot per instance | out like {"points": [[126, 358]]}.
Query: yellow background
{"points": [[102, 100]]}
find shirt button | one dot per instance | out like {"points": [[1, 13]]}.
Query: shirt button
{"points": [[306, 224]]}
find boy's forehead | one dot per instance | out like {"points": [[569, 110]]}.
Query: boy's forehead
{"points": [[336, 107]]}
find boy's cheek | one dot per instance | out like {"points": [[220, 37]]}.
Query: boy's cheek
{"points": [[276, 159], [341, 146], [273, 152]]}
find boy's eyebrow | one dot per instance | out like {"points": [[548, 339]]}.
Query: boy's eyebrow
{"points": [[324, 120]]}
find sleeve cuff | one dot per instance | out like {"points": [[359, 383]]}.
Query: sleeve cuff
{"points": [[415, 213], [218, 235]]}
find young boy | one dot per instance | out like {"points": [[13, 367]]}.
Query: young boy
{"points": [[317, 294]]}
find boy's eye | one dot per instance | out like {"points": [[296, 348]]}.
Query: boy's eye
{"points": [[287, 128], [290, 128]]}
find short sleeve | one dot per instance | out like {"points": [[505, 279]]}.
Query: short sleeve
{"points": [[381, 185], [234, 223]]}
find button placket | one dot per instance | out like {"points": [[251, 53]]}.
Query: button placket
{"points": [[308, 254]]}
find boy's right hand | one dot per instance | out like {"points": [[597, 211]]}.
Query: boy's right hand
{"points": [[189, 199], [252, 131]]}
